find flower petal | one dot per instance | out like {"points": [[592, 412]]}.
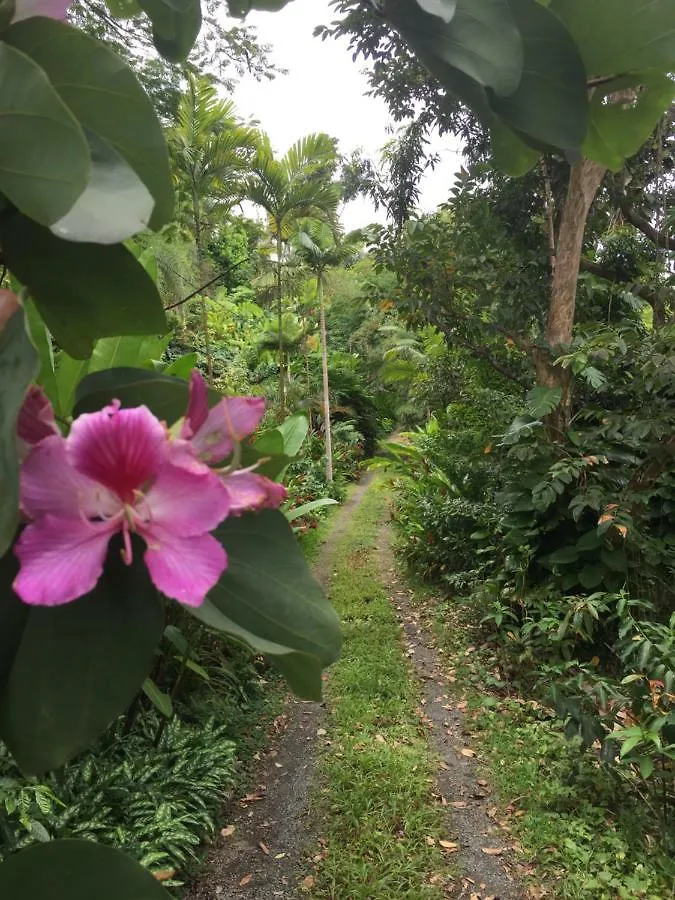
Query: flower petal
{"points": [[120, 448], [53, 9], [198, 405], [51, 485], [61, 559], [183, 502], [184, 569], [230, 420], [36, 417], [249, 491]]}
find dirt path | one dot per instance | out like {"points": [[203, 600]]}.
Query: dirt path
{"points": [[262, 859], [486, 875]]}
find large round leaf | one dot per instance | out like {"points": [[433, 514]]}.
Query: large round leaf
{"points": [[76, 870], [269, 598], [550, 103], [620, 36], [44, 157], [83, 291], [165, 396], [79, 665], [175, 25], [103, 93], [18, 366], [480, 39]]}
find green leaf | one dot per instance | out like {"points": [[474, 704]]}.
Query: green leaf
{"points": [[115, 204], [294, 430], [564, 556], [541, 401], [175, 26], [44, 157], [618, 129], [82, 291], [620, 36], [106, 97], [550, 103], [298, 511], [511, 155], [115, 352], [591, 576], [79, 665], [165, 396], [160, 700], [18, 367], [177, 639], [481, 39], [182, 366], [42, 340], [76, 870], [271, 600], [69, 373]]}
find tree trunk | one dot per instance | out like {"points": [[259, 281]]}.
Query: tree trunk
{"points": [[324, 372], [282, 375], [200, 265], [585, 179]]}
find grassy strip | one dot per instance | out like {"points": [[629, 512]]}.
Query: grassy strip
{"points": [[379, 821], [575, 824]]}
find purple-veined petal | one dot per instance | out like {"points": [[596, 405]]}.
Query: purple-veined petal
{"points": [[122, 449], [36, 417], [182, 502], [198, 405], [50, 485], [184, 569], [250, 491], [9, 303], [230, 420], [61, 559], [52, 9]]}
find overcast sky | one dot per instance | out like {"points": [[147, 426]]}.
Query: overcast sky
{"points": [[325, 91]]}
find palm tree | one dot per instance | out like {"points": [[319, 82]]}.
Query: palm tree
{"points": [[295, 186], [318, 248], [210, 150]]}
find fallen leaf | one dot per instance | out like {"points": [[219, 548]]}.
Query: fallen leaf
{"points": [[279, 855], [245, 880], [164, 874], [380, 739], [430, 841], [228, 831], [467, 751], [450, 846], [492, 851], [459, 804], [307, 883], [263, 846]]}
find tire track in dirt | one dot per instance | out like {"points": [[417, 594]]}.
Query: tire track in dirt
{"points": [[263, 858], [485, 875]]}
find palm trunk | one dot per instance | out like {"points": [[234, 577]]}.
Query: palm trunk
{"points": [[200, 266], [585, 179], [324, 372], [282, 376]]}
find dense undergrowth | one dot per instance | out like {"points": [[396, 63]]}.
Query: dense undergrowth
{"points": [[151, 786]]}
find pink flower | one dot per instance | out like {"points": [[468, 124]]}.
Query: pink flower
{"points": [[52, 9], [36, 420], [248, 491], [213, 435], [117, 472]]}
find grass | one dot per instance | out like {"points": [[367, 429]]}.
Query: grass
{"points": [[379, 820], [578, 830]]}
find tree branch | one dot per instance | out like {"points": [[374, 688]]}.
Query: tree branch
{"points": [[645, 226], [203, 287]]}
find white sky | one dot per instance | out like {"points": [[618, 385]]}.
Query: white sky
{"points": [[325, 91]]}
